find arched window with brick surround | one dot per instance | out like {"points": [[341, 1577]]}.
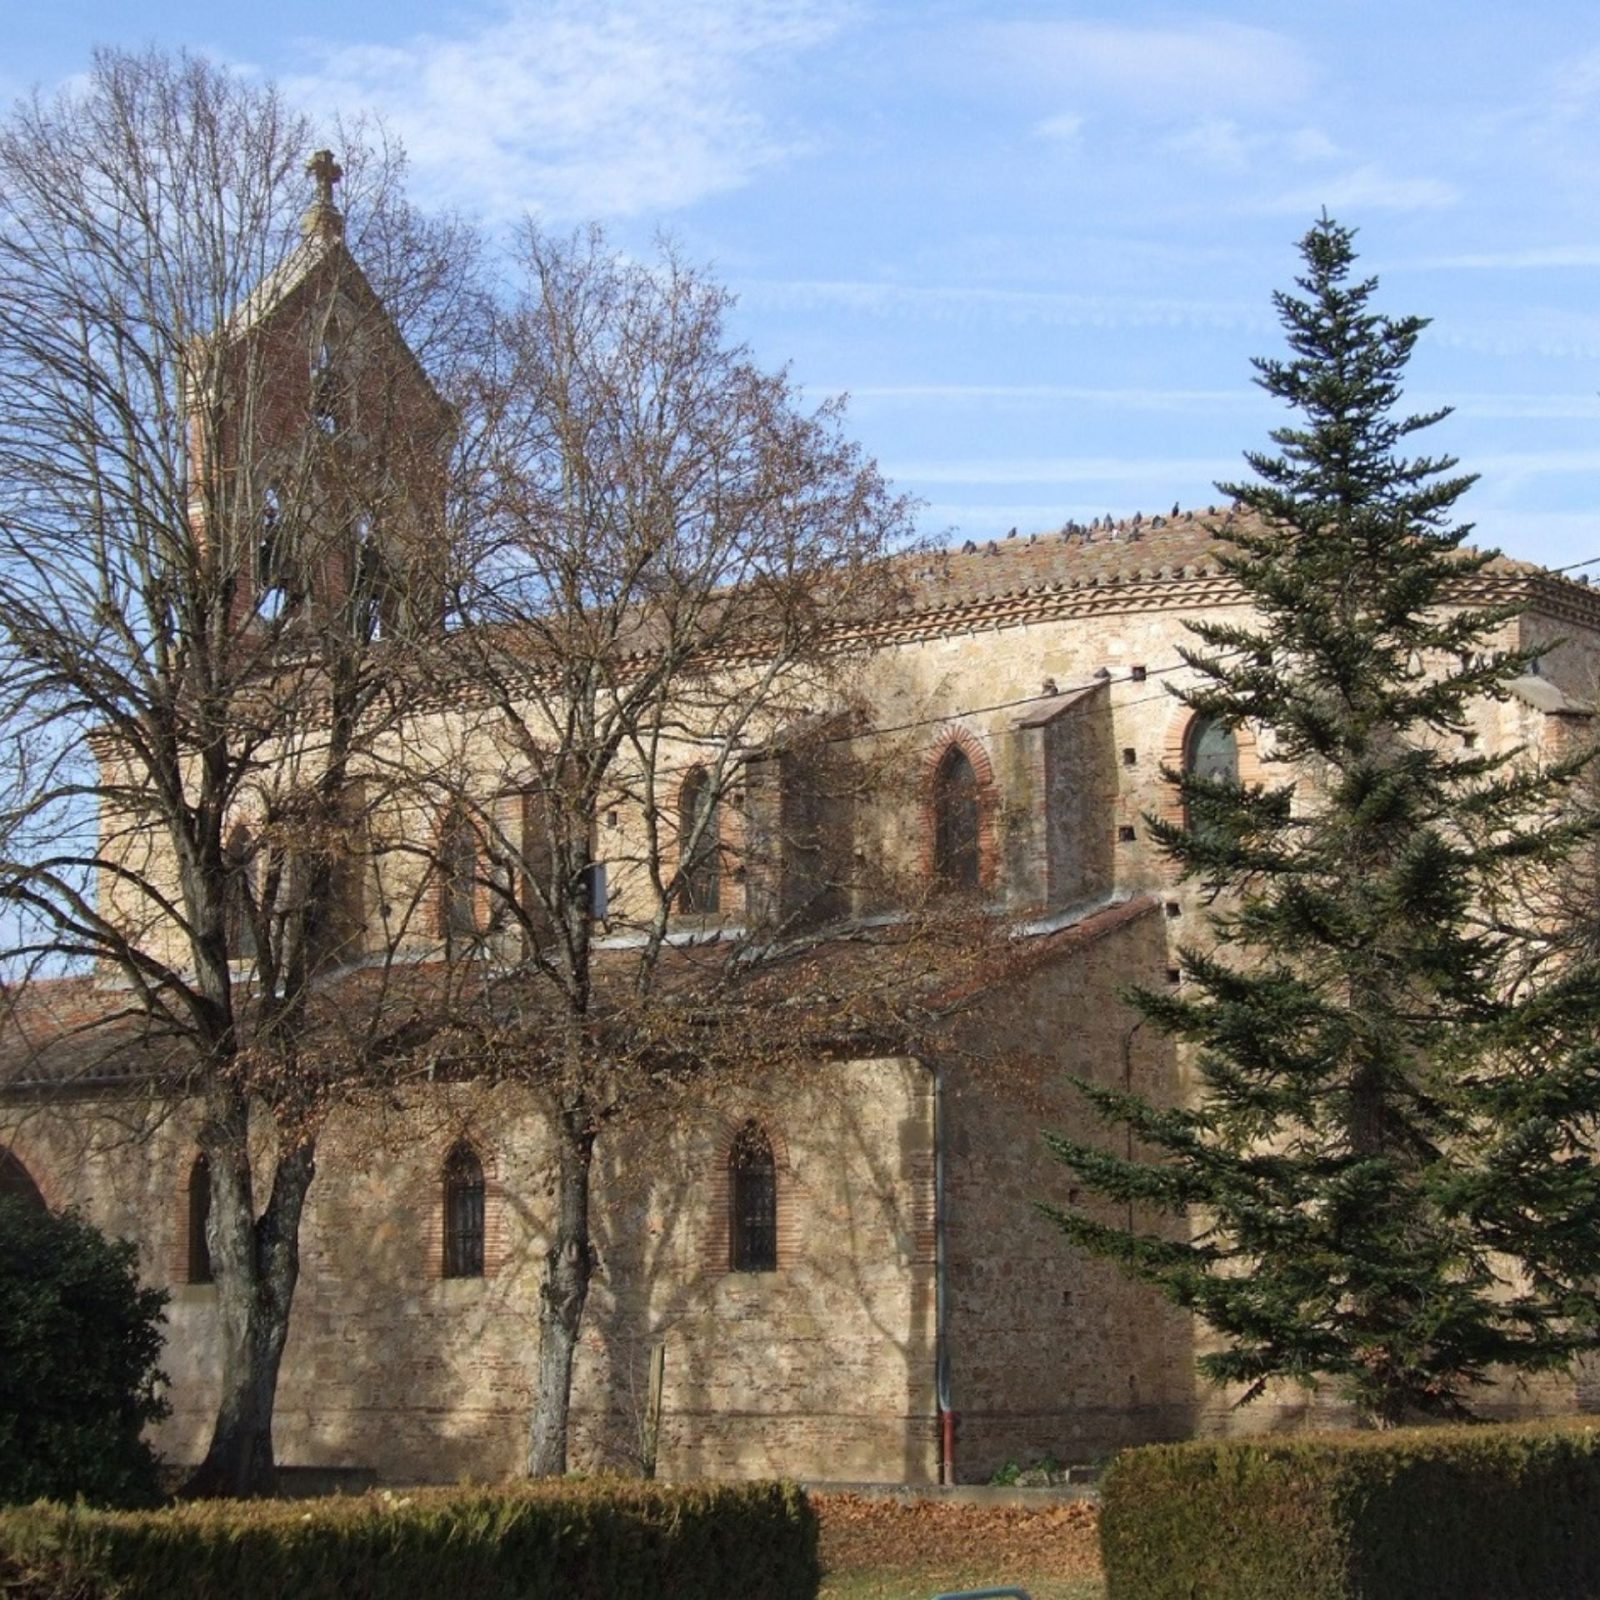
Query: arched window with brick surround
{"points": [[699, 834], [238, 922], [1211, 753], [463, 1213], [197, 1256], [957, 822], [752, 1201], [458, 880]]}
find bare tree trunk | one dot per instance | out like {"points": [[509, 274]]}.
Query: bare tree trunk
{"points": [[256, 1264], [569, 1265]]}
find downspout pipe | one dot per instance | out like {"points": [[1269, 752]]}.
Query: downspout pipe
{"points": [[941, 1309]]}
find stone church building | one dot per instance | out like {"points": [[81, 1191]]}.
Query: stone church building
{"points": [[842, 1276]]}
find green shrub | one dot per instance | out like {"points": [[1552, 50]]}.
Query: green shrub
{"points": [[78, 1379], [599, 1539], [1468, 1513]]}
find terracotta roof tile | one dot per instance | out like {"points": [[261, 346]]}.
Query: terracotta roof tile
{"points": [[1157, 560]]}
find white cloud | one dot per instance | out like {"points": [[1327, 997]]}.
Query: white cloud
{"points": [[604, 108], [1519, 466], [1535, 407], [1558, 333], [1203, 401], [960, 303], [1216, 141], [1063, 128], [1366, 188], [1312, 144], [1227, 145], [1218, 64], [1550, 256], [1066, 469]]}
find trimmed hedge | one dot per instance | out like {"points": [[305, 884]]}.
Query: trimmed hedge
{"points": [[599, 1539], [1468, 1513]]}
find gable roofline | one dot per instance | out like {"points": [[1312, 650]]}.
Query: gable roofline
{"points": [[1158, 563], [323, 257]]}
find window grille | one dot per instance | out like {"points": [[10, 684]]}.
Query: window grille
{"points": [[463, 1214], [753, 1202]]}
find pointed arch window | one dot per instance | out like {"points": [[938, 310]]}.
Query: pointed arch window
{"points": [[274, 596], [199, 1218], [956, 819], [752, 1202], [463, 1213], [699, 829], [17, 1182], [324, 391], [238, 921], [458, 881], [1211, 753]]}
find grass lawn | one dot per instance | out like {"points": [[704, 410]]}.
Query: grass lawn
{"points": [[888, 1549]]}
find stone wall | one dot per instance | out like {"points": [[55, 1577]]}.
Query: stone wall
{"points": [[1054, 1352], [823, 1368]]}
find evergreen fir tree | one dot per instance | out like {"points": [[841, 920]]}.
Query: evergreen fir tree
{"points": [[1386, 1178]]}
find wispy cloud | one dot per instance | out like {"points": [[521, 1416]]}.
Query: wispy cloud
{"points": [[1533, 407], [1365, 188], [1216, 64], [1067, 469], [1531, 260], [1514, 466], [1228, 145], [966, 302], [1554, 332], [1204, 401], [1063, 128], [585, 107]]}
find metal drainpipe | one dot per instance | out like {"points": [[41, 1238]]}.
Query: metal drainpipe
{"points": [[941, 1334]]}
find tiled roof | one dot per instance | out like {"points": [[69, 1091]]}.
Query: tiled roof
{"points": [[835, 996], [80, 1033], [1140, 562]]}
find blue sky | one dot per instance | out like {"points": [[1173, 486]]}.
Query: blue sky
{"points": [[1036, 242]]}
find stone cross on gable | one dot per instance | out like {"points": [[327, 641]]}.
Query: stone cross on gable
{"points": [[327, 172], [322, 218]]}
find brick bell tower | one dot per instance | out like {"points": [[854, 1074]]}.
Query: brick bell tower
{"points": [[319, 450]]}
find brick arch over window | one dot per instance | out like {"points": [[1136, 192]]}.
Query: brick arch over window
{"points": [[937, 767], [460, 899], [729, 1138], [1175, 749], [239, 929], [699, 870], [448, 1168]]}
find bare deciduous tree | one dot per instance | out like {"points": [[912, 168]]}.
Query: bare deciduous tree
{"points": [[649, 845], [222, 480]]}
